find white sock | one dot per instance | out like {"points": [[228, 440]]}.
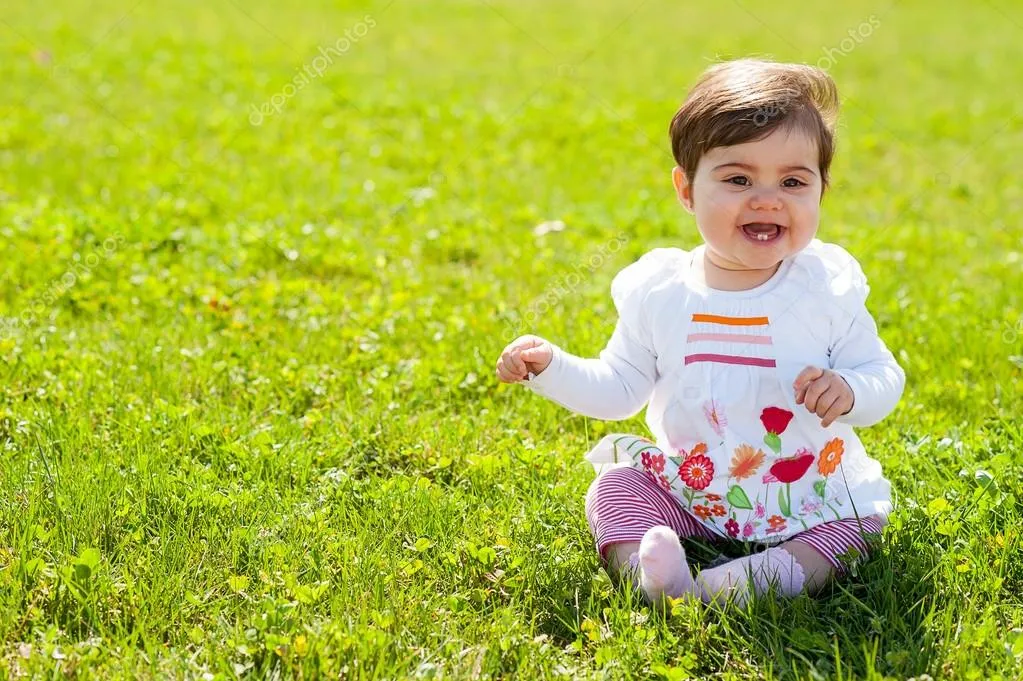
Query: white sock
{"points": [[731, 581], [663, 569]]}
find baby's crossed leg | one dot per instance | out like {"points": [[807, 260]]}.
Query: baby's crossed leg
{"points": [[637, 525], [622, 505]]}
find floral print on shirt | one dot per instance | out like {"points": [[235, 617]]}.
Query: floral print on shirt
{"points": [[695, 472]]}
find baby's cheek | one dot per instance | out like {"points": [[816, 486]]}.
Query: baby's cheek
{"points": [[807, 231], [809, 212]]}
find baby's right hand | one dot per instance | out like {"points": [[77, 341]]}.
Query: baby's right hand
{"points": [[524, 355]]}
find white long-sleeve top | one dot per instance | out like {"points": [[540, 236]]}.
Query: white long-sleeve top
{"points": [[716, 369]]}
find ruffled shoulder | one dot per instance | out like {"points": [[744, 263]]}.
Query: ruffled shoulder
{"points": [[632, 285], [830, 269]]}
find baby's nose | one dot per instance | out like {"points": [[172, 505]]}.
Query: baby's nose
{"points": [[766, 199]]}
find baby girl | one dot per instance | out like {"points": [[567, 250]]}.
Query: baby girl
{"points": [[754, 351]]}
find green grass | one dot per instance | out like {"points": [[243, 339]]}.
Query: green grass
{"points": [[248, 414]]}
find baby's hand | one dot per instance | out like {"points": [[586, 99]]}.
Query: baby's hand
{"points": [[524, 355], [823, 392]]}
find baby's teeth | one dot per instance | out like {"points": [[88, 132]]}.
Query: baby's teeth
{"points": [[762, 237]]}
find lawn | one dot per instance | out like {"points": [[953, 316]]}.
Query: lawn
{"points": [[259, 259]]}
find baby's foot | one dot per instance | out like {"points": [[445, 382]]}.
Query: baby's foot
{"points": [[663, 570]]}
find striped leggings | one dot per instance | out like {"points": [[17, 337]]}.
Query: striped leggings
{"points": [[623, 503]]}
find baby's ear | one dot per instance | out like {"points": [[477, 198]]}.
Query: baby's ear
{"points": [[683, 188]]}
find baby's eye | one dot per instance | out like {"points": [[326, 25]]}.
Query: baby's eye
{"points": [[793, 182], [739, 181]]}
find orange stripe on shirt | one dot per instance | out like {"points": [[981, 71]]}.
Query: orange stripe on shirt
{"points": [[731, 321]]}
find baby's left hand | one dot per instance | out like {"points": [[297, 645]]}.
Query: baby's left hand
{"points": [[823, 392]]}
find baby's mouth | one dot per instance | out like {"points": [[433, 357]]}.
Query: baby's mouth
{"points": [[762, 231]]}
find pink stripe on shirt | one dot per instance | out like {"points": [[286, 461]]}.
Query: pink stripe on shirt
{"points": [[729, 338], [730, 359]]}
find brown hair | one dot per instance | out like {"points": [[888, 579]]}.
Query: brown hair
{"points": [[745, 100]]}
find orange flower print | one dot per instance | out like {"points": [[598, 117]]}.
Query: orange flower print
{"points": [[701, 511], [718, 510], [698, 448], [776, 523], [831, 456], [712, 497], [745, 462]]}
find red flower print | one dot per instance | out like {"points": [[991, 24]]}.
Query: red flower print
{"points": [[792, 469], [712, 497], [718, 510], [647, 461], [657, 463], [665, 483], [775, 420], [777, 524], [696, 471], [701, 511], [732, 527]]}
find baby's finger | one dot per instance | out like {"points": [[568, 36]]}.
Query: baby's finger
{"points": [[803, 383], [827, 402], [526, 342], [806, 376], [533, 354], [506, 374], [508, 358], [813, 393], [516, 362], [836, 410]]}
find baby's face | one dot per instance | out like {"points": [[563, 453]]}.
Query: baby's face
{"points": [[756, 203]]}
